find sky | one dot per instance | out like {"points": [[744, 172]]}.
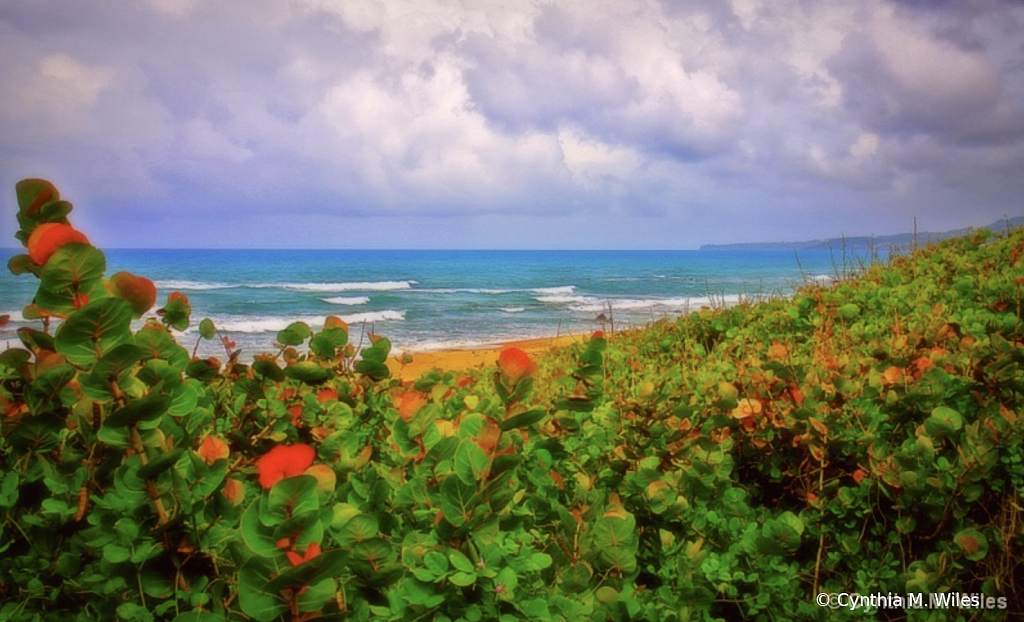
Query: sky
{"points": [[601, 124]]}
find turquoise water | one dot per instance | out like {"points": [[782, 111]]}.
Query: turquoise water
{"points": [[431, 299]]}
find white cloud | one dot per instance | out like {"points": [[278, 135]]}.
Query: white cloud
{"points": [[59, 96], [408, 107], [592, 162]]}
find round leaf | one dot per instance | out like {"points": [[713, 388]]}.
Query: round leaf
{"points": [[72, 277], [94, 330], [138, 291]]}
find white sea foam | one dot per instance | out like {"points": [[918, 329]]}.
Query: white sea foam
{"points": [[254, 325], [374, 316], [465, 290], [563, 290], [360, 286], [174, 284], [563, 299], [513, 309], [596, 304], [491, 291], [349, 300]]}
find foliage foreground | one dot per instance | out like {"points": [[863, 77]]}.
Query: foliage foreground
{"points": [[863, 438]]}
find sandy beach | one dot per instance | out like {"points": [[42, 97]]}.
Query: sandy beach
{"points": [[470, 358]]}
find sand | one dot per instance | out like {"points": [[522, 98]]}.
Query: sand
{"points": [[458, 359]]}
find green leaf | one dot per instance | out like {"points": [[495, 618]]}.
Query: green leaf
{"points": [[619, 559], [149, 408], [436, 563], [523, 420], [326, 343], [849, 311], [36, 340], [328, 564], [71, 278], [161, 464], [471, 462], [110, 369], [269, 370], [294, 334], [20, 264], [442, 450], [507, 579], [47, 387], [778, 536], [973, 543], [207, 329], [374, 370], [289, 497], [372, 554], [94, 330], [9, 490], [359, 528], [460, 562], [457, 500], [198, 616], [463, 579], [201, 370], [116, 554], [254, 597], [177, 312], [257, 536], [309, 372], [611, 531], [33, 194], [157, 342], [14, 358], [942, 422]]}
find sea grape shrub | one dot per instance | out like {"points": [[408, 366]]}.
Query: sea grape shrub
{"points": [[861, 437]]}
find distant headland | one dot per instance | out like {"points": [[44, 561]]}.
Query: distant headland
{"points": [[863, 243]]}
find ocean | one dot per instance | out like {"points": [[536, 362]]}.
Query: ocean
{"points": [[423, 300]]}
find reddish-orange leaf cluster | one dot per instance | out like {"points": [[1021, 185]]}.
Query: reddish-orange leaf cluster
{"points": [[515, 365], [47, 238], [409, 404], [212, 449], [295, 411], [283, 461], [313, 550], [234, 491], [327, 395]]}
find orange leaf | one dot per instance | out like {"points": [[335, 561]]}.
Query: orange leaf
{"points": [[47, 238], [313, 550], [409, 404], [327, 395], [138, 291], [234, 491], [515, 364], [325, 477], [334, 321], [296, 412], [212, 449], [283, 461]]}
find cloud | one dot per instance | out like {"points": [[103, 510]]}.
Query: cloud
{"points": [[899, 78], [674, 116]]}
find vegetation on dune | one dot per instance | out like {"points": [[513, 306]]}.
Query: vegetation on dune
{"points": [[733, 464]]}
